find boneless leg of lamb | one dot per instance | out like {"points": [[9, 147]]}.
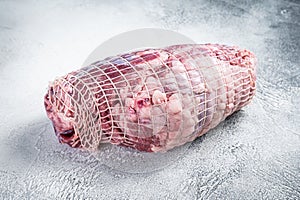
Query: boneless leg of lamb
{"points": [[151, 100]]}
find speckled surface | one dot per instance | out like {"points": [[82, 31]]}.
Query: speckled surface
{"points": [[254, 154]]}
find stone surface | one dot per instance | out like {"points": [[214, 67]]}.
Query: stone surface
{"points": [[254, 154]]}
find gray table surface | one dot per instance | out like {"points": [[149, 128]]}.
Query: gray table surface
{"points": [[254, 154]]}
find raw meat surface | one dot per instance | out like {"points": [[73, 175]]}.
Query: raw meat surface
{"points": [[151, 100]]}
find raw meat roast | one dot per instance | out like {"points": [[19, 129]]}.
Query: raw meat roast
{"points": [[151, 100]]}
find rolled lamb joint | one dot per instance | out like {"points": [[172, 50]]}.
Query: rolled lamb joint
{"points": [[151, 100]]}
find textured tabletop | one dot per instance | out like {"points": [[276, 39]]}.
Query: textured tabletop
{"points": [[253, 154]]}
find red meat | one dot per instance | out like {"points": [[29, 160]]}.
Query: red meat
{"points": [[151, 100]]}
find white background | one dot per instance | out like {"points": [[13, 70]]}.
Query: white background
{"points": [[252, 155]]}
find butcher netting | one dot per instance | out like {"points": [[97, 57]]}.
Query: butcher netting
{"points": [[153, 99]]}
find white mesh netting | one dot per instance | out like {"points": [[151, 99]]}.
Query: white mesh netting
{"points": [[151, 100]]}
